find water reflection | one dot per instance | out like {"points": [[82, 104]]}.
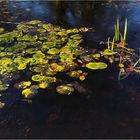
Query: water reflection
{"points": [[97, 14], [114, 109]]}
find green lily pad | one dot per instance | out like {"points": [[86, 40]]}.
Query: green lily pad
{"points": [[108, 52], [48, 45], [28, 38], [76, 36], [33, 22], [75, 73], [53, 51], [39, 55], [65, 89], [3, 87], [96, 65], [38, 78]]}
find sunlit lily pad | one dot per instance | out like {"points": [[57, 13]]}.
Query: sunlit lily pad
{"points": [[22, 66], [38, 78], [27, 92], [39, 55], [96, 55], [53, 51], [43, 85], [96, 65], [24, 84]]}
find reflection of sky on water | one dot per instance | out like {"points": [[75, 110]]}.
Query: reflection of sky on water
{"points": [[101, 16]]}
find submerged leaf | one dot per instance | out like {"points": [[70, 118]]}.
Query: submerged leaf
{"points": [[2, 105]]}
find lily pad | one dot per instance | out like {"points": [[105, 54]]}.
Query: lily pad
{"points": [[43, 85], [3, 87], [96, 65], [27, 92], [22, 66], [38, 78], [108, 52], [53, 51], [65, 89], [33, 22]]}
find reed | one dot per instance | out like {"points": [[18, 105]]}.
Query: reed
{"points": [[118, 29], [108, 42], [112, 46], [125, 30]]}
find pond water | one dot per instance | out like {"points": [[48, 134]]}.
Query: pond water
{"points": [[108, 108]]}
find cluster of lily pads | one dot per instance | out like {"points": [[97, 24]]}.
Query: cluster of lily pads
{"points": [[36, 53]]}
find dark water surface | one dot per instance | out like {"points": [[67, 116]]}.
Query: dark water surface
{"points": [[108, 109]]}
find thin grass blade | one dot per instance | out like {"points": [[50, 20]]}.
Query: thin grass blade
{"points": [[112, 47], [125, 30]]}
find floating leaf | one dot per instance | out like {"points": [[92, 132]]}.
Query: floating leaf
{"points": [[75, 73], [76, 36], [33, 22], [25, 84], [96, 65], [96, 55], [22, 66], [27, 92], [108, 52], [43, 85], [53, 51], [38, 78], [82, 77], [3, 87], [39, 55], [65, 89]]}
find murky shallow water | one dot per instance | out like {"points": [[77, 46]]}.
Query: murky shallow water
{"points": [[109, 108]]}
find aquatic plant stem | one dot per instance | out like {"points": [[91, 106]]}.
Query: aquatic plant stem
{"points": [[125, 30], [112, 47], [108, 43], [118, 29]]}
